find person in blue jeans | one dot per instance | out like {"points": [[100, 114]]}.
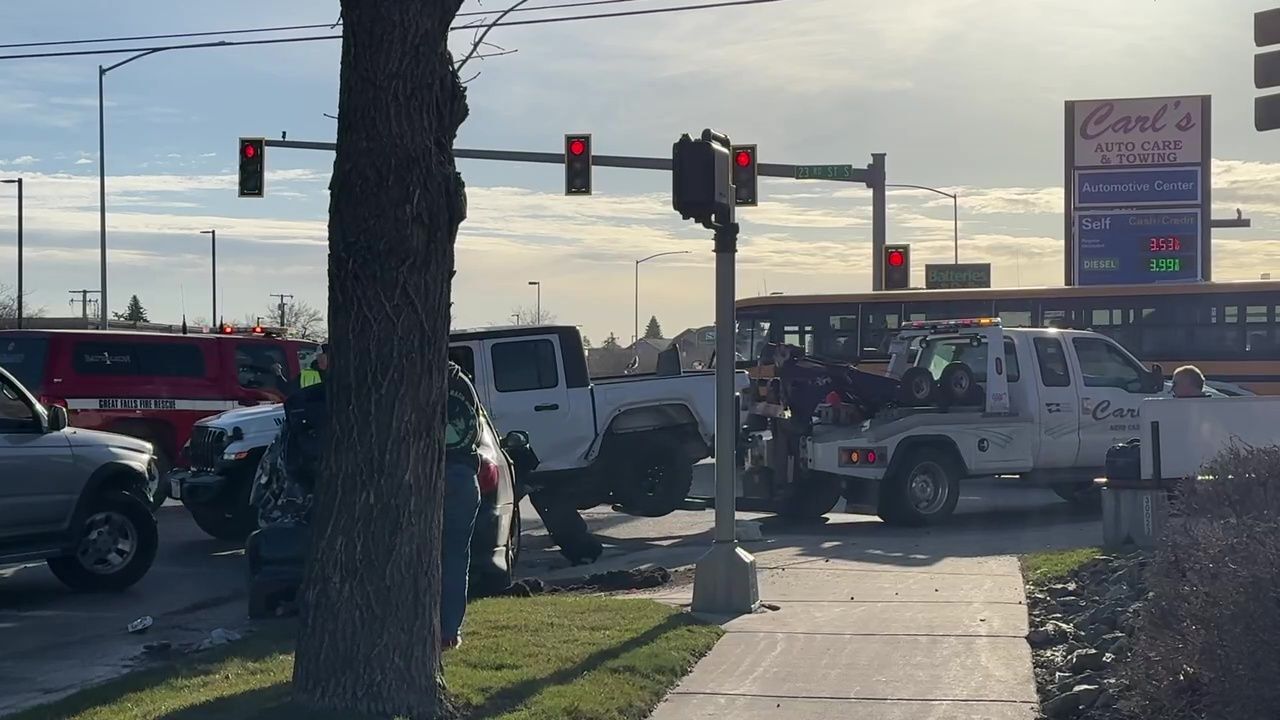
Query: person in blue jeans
{"points": [[461, 502]]}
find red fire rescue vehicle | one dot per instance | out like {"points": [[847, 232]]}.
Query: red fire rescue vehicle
{"points": [[153, 385]]}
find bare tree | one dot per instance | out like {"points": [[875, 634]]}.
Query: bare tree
{"points": [[369, 642], [304, 321], [9, 304], [531, 316]]}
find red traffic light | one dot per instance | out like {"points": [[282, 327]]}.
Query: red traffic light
{"points": [[742, 158], [896, 258], [250, 152], [227, 330], [577, 146]]}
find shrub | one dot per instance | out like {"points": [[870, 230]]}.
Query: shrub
{"points": [[1208, 640]]}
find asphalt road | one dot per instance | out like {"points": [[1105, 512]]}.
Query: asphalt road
{"points": [[52, 640]]}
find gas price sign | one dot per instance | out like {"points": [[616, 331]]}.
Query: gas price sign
{"points": [[1137, 246]]}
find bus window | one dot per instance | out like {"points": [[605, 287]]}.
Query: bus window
{"points": [[1105, 317], [877, 329], [841, 340], [1161, 342], [1217, 341], [801, 336], [1015, 318], [753, 333], [951, 310]]}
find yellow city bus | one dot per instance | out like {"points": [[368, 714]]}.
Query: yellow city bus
{"points": [[1230, 330]]}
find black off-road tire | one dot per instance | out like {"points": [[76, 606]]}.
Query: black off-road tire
{"points": [[650, 479]]}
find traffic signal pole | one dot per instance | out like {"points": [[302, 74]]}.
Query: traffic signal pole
{"points": [[872, 176], [878, 223]]}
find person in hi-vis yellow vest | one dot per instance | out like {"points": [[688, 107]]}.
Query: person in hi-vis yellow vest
{"points": [[314, 375]]}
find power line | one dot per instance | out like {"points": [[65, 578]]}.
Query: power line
{"points": [[284, 28], [274, 41]]}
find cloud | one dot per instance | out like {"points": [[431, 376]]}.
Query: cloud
{"points": [[21, 160], [84, 161]]}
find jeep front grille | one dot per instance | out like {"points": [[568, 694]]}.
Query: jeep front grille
{"points": [[206, 447]]}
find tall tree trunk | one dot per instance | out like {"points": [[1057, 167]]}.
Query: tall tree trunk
{"points": [[370, 633]]}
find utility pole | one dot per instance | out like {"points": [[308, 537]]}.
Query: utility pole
{"points": [[213, 268], [18, 182], [84, 301], [281, 305]]}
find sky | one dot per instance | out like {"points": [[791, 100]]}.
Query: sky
{"points": [[962, 95]]}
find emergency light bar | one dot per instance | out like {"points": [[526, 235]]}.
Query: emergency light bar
{"points": [[251, 331], [951, 324]]}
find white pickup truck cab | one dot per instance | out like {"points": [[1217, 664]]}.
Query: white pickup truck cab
{"points": [[632, 440], [1051, 403]]}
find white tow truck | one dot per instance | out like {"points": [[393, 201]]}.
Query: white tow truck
{"points": [[1045, 409]]}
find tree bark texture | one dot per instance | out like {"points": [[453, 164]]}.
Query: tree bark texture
{"points": [[370, 636]]}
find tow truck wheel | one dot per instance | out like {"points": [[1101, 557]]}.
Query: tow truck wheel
{"points": [[1083, 494], [916, 386], [923, 491], [813, 498], [956, 382]]}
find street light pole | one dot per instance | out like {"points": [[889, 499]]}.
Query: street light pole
{"points": [[635, 338], [213, 269], [102, 205], [102, 182], [955, 212], [537, 318], [18, 181]]}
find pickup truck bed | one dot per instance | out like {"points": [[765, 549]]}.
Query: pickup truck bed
{"points": [[1180, 435]]}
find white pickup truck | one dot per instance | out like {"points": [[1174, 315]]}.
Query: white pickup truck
{"points": [[1045, 409], [630, 440], [1180, 435]]}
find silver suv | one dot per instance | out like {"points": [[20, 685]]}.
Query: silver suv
{"points": [[77, 499]]}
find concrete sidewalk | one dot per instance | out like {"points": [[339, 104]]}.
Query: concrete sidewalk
{"points": [[869, 633]]}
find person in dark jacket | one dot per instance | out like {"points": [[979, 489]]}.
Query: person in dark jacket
{"points": [[461, 501]]}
